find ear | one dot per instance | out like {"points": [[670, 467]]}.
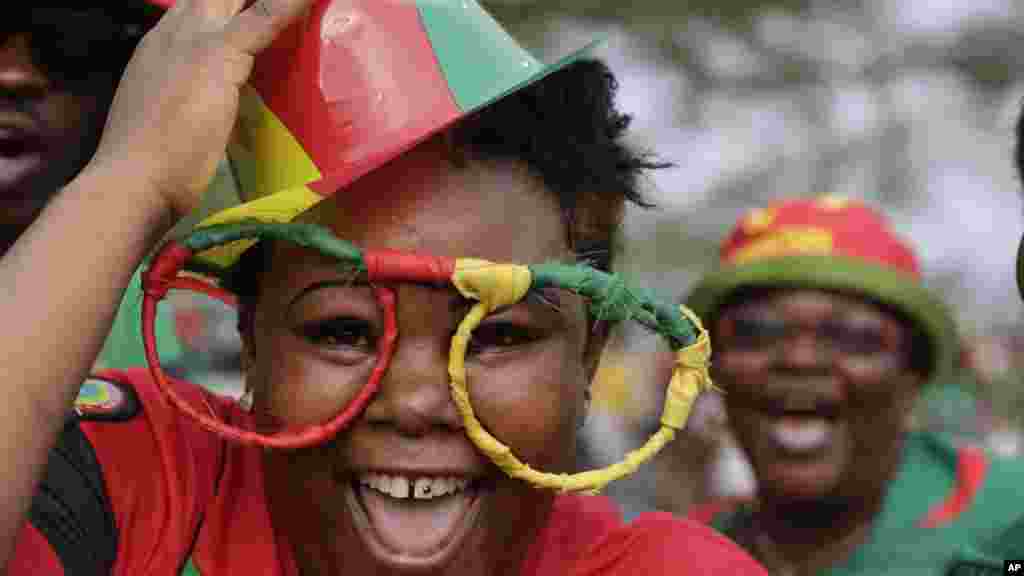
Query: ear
{"points": [[246, 334]]}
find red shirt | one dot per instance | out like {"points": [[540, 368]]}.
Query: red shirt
{"points": [[178, 492]]}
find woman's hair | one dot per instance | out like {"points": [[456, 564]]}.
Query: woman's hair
{"points": [[98, 56], [567, 131]]}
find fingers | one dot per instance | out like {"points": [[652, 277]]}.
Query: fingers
{"points": [[254, 28], [212, 9]]}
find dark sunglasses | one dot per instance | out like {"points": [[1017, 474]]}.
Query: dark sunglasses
{"points": [[73, 45], [839, 337]]}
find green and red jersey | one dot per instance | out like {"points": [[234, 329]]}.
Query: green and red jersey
{"points": [[945, 503]]}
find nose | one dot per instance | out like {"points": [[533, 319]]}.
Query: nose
{"points": [[804, 351], [414, 397], [19, 74]]}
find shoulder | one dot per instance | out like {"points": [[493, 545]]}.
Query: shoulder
{"points": [[725, 515], [70, 526], [142, 442], [127, 479], [113, 406], [986, 492], [988, 559], [659, 543], [1003, 538], [71, 521], [1002, 479], [137, 432]]}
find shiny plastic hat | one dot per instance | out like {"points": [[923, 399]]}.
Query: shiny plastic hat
{"points": [[353, 85]]}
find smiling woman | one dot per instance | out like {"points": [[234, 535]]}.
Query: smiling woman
{"points": [[527, 364], [825, 336], [390, 152]]}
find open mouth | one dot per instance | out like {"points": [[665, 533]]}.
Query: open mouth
{"points": [[16, 142], [20, 153], [409, 521], [802, 428]]}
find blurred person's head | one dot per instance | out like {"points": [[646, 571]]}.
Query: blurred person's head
{"points": [[823, 336], [59, 68], [1019, 163]]}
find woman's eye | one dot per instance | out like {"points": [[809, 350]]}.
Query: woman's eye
{"points": [[755, 331], [499, 335], [338, 332], [857, 339]]}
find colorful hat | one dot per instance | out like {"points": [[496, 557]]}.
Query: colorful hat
{"points": [[352, 86], [831, 243]]}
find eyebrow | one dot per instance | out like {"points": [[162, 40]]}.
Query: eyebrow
{"points": [[332, 283], [549, 297]]}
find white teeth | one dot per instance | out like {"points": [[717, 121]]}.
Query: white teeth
{"points": [[421, 488], [802, 435], [441, 486], [400, 487]]}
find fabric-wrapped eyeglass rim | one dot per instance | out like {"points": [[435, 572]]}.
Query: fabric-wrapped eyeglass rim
{"points": [[490, 285]]}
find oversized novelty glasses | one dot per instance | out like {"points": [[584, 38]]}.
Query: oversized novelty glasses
{"points": [[491, 286]]}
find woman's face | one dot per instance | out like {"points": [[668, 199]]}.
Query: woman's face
{"points": [[351, 505], [818, 390]]}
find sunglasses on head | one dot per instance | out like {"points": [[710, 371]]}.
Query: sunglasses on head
{"points": [[74, 45]]}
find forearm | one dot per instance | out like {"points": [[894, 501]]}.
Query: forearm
{"points": [[60, 286]]}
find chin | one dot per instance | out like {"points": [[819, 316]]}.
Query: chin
{"points": [[800, 488]]}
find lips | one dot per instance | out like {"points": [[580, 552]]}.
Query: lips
{"points": [[802, 435], [15, 141], [414, 518], [21, 152], [801, 425], [19, 134]]}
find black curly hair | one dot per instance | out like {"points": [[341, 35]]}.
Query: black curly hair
{"points": [[81, 48], [568, 132]]}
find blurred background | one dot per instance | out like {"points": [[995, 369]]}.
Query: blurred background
{"points": [[907, 104]]}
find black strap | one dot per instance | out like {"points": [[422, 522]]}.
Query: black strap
{"points": [[71, 509]]}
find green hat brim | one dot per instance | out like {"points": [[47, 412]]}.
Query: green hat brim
{"points": [[839, 274]]}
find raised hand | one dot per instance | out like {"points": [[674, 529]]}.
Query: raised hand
{"points": [[177, 101]]}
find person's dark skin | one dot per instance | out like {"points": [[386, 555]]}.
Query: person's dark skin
{"points": [[47, 133], [150, 167], [816, 504], [308, 351]]}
